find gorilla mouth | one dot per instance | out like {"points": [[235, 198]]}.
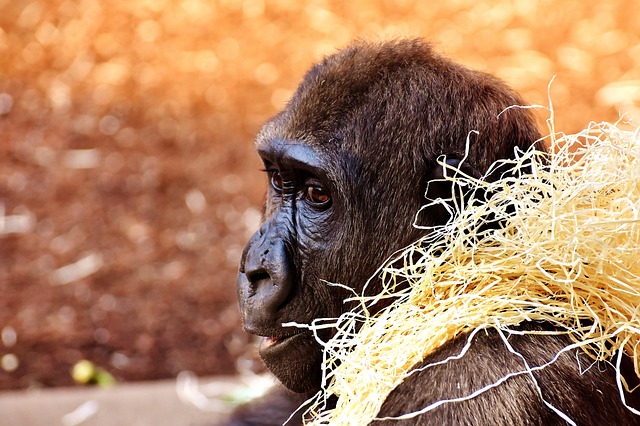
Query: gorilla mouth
{"points": [[272, 344], [267, 342]]}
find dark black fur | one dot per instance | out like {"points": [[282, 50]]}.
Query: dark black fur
{"points": [[349, 159], [584, 391]]}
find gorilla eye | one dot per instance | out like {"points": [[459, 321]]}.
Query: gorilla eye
{"points": [[276, 181], [318, 195]]}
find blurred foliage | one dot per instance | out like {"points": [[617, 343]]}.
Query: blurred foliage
{"points": [[85, 372], [128, 184]]}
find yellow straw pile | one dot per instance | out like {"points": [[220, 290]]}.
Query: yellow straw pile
{"points": [[567, 252]]}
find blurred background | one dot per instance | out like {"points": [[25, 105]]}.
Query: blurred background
{"points": [[128, 181]]}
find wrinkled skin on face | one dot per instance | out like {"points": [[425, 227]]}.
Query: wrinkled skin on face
{"points": [[347, 163]]}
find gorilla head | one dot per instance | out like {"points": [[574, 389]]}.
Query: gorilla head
{"points": [[348, 161]]}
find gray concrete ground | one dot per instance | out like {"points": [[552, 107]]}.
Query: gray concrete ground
{"points": [[186, 401]]}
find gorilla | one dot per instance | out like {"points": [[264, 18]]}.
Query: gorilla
{"points": [[348, 161]]}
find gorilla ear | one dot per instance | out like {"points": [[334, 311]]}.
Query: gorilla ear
{"points": [[444, 193], [454, 167]]}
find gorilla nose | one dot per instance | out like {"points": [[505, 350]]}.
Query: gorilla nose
{"points": [[265, 281]]}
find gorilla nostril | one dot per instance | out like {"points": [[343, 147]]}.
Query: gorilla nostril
{"points": [[255, 277]]}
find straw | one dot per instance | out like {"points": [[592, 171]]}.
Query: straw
{"points": [[566, 252]]}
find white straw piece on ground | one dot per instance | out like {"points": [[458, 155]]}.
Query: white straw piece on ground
{"points": [[84, 267]]}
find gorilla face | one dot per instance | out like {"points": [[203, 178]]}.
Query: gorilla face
{"points": [[348, 161], [312, 235], [281, 269]]}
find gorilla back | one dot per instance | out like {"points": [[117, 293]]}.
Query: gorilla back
{"points": [[348, 162]]}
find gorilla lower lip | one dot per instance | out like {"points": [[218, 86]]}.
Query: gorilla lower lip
{"points": [[272, 343], [267, 342]]}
